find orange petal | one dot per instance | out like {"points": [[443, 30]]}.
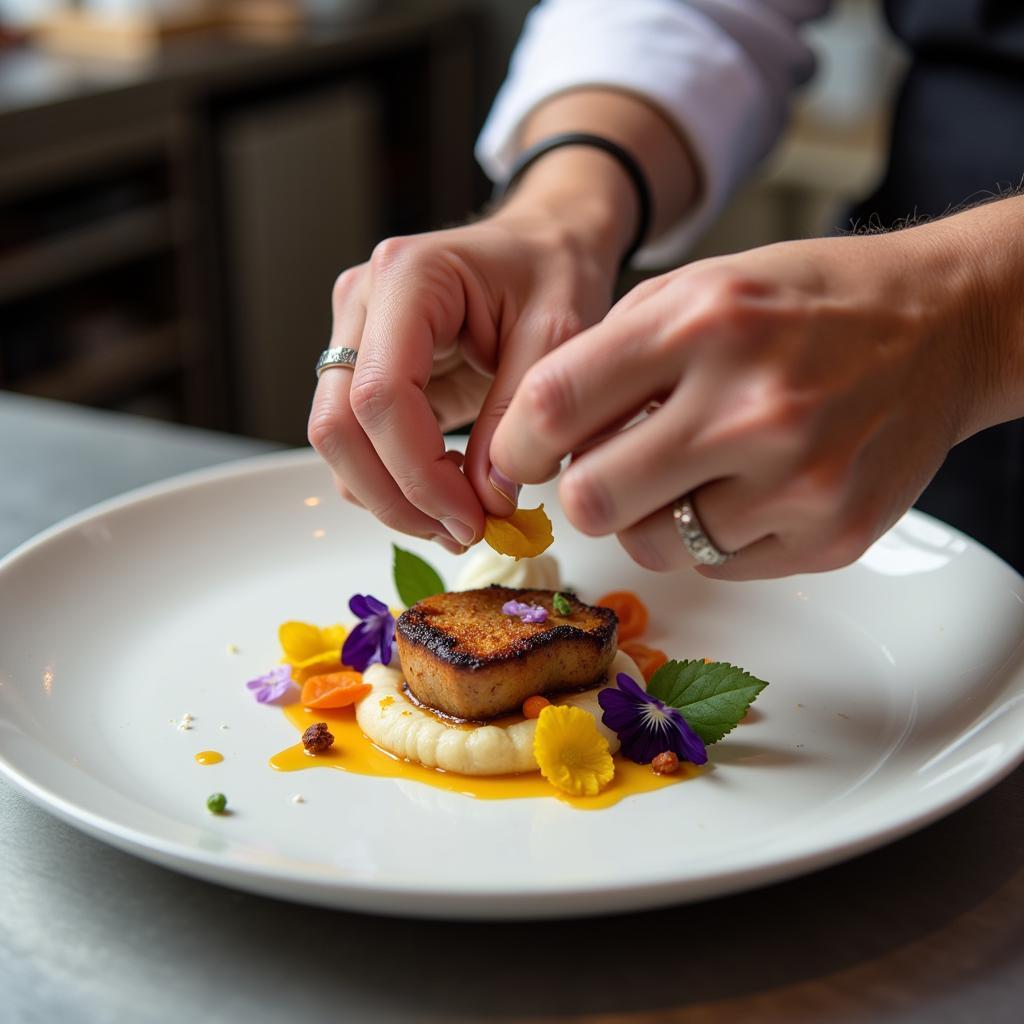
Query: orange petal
{"points": [[648, 659], [524, 534], [631, 611], [334, 690]]}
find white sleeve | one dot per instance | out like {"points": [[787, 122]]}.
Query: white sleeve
{"points": [[721, 70]]}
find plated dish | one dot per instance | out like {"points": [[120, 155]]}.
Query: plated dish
{"points": [[896, 695]]}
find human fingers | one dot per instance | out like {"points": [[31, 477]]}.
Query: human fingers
{"points": [[456, 397], [536, 334], [633, 472], [343, 491], [580, 390], [337, 436], [768, 529], [417, 303], [723, 508]]}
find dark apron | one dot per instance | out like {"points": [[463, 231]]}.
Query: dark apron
{"points": [[958, 137]]}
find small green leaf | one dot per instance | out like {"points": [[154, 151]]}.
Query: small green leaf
{"points": [[414, 578], [561, 604], [712, 697]]}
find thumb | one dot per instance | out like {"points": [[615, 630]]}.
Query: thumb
{"points": [[531, 340]]}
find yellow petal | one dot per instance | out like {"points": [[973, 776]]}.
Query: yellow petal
{"points": [[320, 665], [573, 756], [524, 534], [332, 637], [318, 659], [299, 640]]}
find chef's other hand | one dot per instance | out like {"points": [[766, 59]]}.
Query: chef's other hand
{"points": [[801, 394]]}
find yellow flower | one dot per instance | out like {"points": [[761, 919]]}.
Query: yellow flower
{"points": [[524, 534], [573, 756], [310, 650]]}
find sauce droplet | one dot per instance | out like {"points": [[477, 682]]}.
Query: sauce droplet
{"points": [[209, 757]]}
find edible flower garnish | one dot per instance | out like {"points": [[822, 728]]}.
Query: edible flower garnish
{"points": [[373, 640], [713, 696], [526, 612], [524, 534], [310, 650], [573, 756], [334, 690], [630, 611], [273, 686], [646, 727], [648, 659]]}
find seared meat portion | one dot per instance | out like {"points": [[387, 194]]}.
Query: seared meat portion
{"points": [[463, 656]]}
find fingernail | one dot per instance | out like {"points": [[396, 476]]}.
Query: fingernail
{"points": [[461, 531], [448, 544], [508, 489]]}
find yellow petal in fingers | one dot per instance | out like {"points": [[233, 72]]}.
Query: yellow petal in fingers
{"points": [[524, 534]]}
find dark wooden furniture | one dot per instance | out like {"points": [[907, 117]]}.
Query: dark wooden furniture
{"points": [[169, 230]]}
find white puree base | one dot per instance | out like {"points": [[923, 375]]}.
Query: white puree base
{"points": [[406, 730]]}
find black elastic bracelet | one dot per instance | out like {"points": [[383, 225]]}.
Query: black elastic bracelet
{"points": [[613, 149]]}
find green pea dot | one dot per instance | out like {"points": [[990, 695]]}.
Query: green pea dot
{"points": [[216, 802]]}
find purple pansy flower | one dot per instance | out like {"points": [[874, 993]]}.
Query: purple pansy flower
{"points": [[526, 612], [272, 686], [647, 727], [373, 640]]}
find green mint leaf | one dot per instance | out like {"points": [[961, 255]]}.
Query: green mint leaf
{"points": [[712, 698], [561, 604], [414, 578]]}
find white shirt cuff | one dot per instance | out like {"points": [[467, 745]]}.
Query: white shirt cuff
{"points": [[674, 56]]}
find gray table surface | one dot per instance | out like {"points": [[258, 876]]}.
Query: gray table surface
{"points": [[929, 929]]}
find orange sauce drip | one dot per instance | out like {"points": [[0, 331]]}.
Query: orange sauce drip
{"points": [[209, 757], [354, 752]]}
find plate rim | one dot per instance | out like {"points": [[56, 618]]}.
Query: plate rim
{"points": [[380, 895]]}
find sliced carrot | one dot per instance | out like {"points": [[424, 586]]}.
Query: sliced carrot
{"points": [[648, 659], [533, 706], [632, 612], [334, 690]]}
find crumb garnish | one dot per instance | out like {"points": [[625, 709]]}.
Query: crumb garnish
{"points": [[317, 739]]}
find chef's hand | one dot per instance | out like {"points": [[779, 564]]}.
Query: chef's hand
{"points": [[804, 393], [447, 323]]}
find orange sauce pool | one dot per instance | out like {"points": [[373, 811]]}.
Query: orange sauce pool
{"points": [[209, 757], [353, 752]]}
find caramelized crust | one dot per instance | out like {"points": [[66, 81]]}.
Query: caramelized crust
{"points": [[461, 655]]}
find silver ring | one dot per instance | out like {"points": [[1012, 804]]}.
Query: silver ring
{"points": [[336, 357], [693, 535]]}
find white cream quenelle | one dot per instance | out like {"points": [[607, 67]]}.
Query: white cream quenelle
{"points": [[487, 567], [393, 722]]}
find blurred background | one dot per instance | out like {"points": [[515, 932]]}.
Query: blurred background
{"points": [[182, 180]]}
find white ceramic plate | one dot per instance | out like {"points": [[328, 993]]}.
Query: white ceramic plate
{"points": [[896, 696]]}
